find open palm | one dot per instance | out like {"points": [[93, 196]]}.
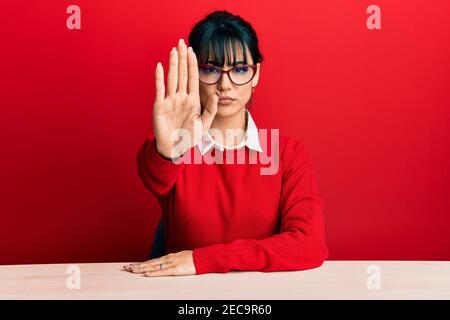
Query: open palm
{"points": [[180, 108]]}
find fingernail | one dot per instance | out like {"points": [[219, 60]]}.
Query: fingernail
{"points": [[181, 41], [190, 49]]}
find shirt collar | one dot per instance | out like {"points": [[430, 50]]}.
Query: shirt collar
{"points": [[251, 139]]}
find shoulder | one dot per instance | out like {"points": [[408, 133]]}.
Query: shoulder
{"points": [[290, 145], [293, 153]]}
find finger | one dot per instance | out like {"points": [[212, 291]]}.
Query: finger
{"points": [[172, 76], [156, 262], [159, 78], [134, 265], [193, 77], [182, 67], [141, 268], [130, 264], [137, 268], [209, 112], [155, 267], [129, 267], [171, 271]]}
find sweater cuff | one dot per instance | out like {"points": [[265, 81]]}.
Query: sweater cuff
{"points": [[210, 259], [161, 161]]}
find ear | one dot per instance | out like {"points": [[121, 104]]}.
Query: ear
{"points": [[256, 77]]}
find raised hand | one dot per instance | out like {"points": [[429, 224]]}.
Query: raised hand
{"points": [[179, 108]]}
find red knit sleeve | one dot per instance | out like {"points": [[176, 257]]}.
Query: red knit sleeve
{"points": [[157, 172], [301, 242]]}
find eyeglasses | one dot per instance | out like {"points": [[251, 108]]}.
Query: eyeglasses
{"points": [[240, 75]]}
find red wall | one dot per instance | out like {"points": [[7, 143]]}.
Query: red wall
{"points": [[372, 106]]}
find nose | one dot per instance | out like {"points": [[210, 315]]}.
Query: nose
{"points": [[224, 83]]}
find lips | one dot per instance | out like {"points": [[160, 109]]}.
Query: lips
{"points": [[225, 101]]}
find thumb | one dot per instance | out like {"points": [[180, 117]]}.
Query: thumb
{"points": [[210, 112]]}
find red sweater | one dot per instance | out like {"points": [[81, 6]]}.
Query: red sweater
{"points": [[234, 218]]}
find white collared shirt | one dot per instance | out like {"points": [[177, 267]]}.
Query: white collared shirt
{"points": [[251, 138]]}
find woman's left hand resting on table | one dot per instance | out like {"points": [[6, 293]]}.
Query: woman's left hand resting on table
{"points": [[174, 264]]}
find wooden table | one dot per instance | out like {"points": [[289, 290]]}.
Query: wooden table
{"points": [[333, 280]]}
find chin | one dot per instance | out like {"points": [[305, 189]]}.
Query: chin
{"points": [[227, 110]]}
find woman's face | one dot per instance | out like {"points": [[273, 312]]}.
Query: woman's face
{"points": [[241, 93]]}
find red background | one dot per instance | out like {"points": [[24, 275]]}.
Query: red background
{"points": [[372, 107]]}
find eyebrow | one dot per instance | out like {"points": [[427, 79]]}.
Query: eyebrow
{"points": [[216, 63]]}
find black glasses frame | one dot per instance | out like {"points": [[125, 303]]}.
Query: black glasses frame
{"points": [[222, 71]]}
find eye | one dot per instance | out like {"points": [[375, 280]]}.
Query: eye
{"points": [[207, 69], [240, 69]]}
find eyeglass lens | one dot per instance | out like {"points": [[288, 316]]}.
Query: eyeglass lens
{"points": [[238, 75]]}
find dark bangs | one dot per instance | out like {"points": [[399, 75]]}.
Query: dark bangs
{"points": [[221, 49], [219, 38]]}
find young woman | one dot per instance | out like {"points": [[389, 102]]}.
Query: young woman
{"points": [[224, 216]]}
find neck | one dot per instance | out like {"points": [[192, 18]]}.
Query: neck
{"points": [[237, 123]]}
